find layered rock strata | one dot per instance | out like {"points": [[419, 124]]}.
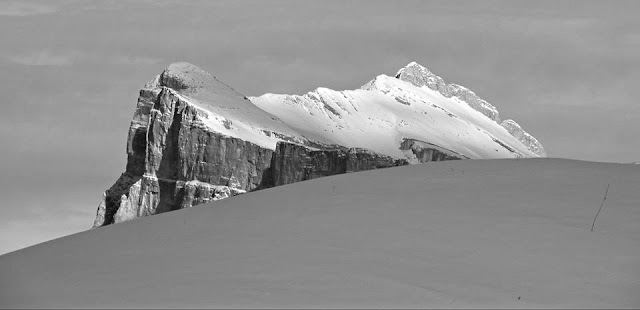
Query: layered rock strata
{"points": [[175, 161], [425, 152], [294, 163]]}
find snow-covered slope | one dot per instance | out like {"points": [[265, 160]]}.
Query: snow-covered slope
{"points": [[481, 234], [387, 110], [415, 104], [223, 109], [420, 76]]}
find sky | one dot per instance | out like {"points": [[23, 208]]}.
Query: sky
{"points": [[70, 72]]}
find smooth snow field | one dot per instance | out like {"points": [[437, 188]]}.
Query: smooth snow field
{"points": [[473, 233]]}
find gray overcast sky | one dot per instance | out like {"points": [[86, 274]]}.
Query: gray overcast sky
{"points": [[70, 72]]}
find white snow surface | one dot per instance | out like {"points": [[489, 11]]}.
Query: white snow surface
{"points": [[233, 126], [386, 110], [223, 109], [507, 233]]}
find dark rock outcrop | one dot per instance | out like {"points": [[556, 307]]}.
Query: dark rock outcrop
{"points": [[294, 163]]}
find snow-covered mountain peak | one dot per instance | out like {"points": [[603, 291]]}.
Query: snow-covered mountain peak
{"points": [[415, 69], [387, 111], [183, 75], [415, 104], [189, 78], [221, 108], [420, 76]]}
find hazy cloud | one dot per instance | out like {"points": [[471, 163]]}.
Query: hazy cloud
{"points": [[15, 8], [50, 58], [129, 60], [43, 58]]}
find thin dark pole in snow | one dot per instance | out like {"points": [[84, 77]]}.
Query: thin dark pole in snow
{"points": [[602, 204]]}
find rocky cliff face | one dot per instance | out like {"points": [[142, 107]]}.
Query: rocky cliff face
{"points": [[176, 161], [294, 163], [425, 152]]}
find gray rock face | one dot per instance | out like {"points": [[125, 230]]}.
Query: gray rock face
{"points": [[528, 140], [421, 76], [475, 102], [168, 149], [194, 192], [294, 163], [426, 152]]}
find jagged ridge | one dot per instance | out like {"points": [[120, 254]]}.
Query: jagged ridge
{"points": [[387, 110], [419, 76]]}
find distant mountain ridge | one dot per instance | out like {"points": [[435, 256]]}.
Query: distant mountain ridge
{"points": [[415, 104], [194, 139]]}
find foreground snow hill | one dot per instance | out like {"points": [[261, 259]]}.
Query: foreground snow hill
{"points": [[194, 139], [469, 233]]}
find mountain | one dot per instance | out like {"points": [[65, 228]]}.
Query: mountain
{"points": [[389, 110], [194, 139], [505, 233]]}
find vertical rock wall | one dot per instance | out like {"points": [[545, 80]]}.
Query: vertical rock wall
{"points": [[425, 152], [175, 161], [294, 163]]}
